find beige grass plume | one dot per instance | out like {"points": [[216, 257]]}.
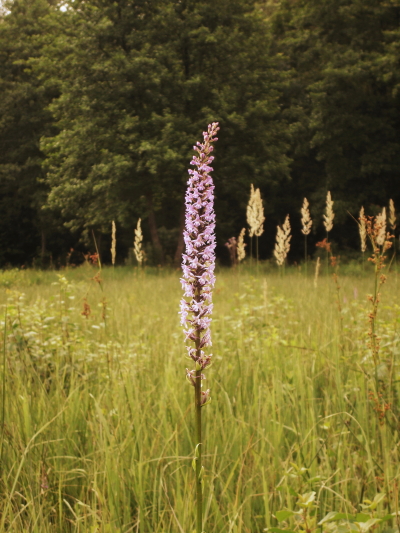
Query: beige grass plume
{"points": [[362, 227], [306, 218], [138, 243], [317, 267], [113, 242], [255, 213], [241, 252], [392, 215], [329, 214], [282, 245], [380, 227]]}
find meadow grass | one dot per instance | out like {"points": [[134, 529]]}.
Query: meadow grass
{"points": [[97, 421]]}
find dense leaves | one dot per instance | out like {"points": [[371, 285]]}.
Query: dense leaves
{"points": [[343, 99], [102, 102]]}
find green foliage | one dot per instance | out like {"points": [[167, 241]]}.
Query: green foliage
{"points": [[24, 118], [342, 97], [97, 430], [102, 102], [137, 83]]}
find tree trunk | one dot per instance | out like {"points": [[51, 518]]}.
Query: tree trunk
{"points": [[155, 239], [181, 243]]}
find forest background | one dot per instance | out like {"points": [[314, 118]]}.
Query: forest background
{"points": [[101, 102]]}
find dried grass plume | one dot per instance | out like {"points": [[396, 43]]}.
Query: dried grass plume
{"points": [[329, 214], [363, 230], [139, 254], [113, 242], [380, 227], [282, 245], [255, 213], [392, 215], [241, 252], [306, 218]]}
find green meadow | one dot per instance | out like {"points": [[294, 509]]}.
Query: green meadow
{"points": [[97, 425]]}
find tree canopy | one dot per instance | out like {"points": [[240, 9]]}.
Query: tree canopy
{"points": [[102, 102]]}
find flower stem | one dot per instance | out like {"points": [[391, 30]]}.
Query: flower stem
{"points": [[305, 253], [199, 491]]}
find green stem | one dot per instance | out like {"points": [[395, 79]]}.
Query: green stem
{"points": [[257, 252], [327, 253], [3, 413], [305, 252], [199, 491]]}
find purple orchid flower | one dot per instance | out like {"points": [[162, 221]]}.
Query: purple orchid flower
{"points": [[198, 262]]}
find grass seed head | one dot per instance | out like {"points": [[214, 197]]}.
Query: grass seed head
{"points": [[329, 214], [362, 229], [392, 215], [241, 252], [138, 243], [282, 245], [255, 213], [380, 227], [306, 217], [113, 242]]}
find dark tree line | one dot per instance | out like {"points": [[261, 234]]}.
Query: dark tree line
{"points": [[102, 101]]}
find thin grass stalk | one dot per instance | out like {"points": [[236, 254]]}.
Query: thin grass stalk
{"points": [[305, 253], [257, 252], [328, 223], [113, 243], [3, 395], [306, 229]]}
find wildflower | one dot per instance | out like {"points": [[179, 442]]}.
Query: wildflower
{"points": [[325, 245], [199, 260]]}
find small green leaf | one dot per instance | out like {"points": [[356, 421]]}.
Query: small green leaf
{"points": [[377, 500], [362, 517], [201, 473], [365, 526], [306, 500], [277, 530], [283, 515], [387, 517], [330, 516]]}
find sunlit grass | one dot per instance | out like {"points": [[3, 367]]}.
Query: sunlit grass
{"points": [[97, 432]]}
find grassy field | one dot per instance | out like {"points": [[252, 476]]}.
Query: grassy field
{"points": [[97, 417]]}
